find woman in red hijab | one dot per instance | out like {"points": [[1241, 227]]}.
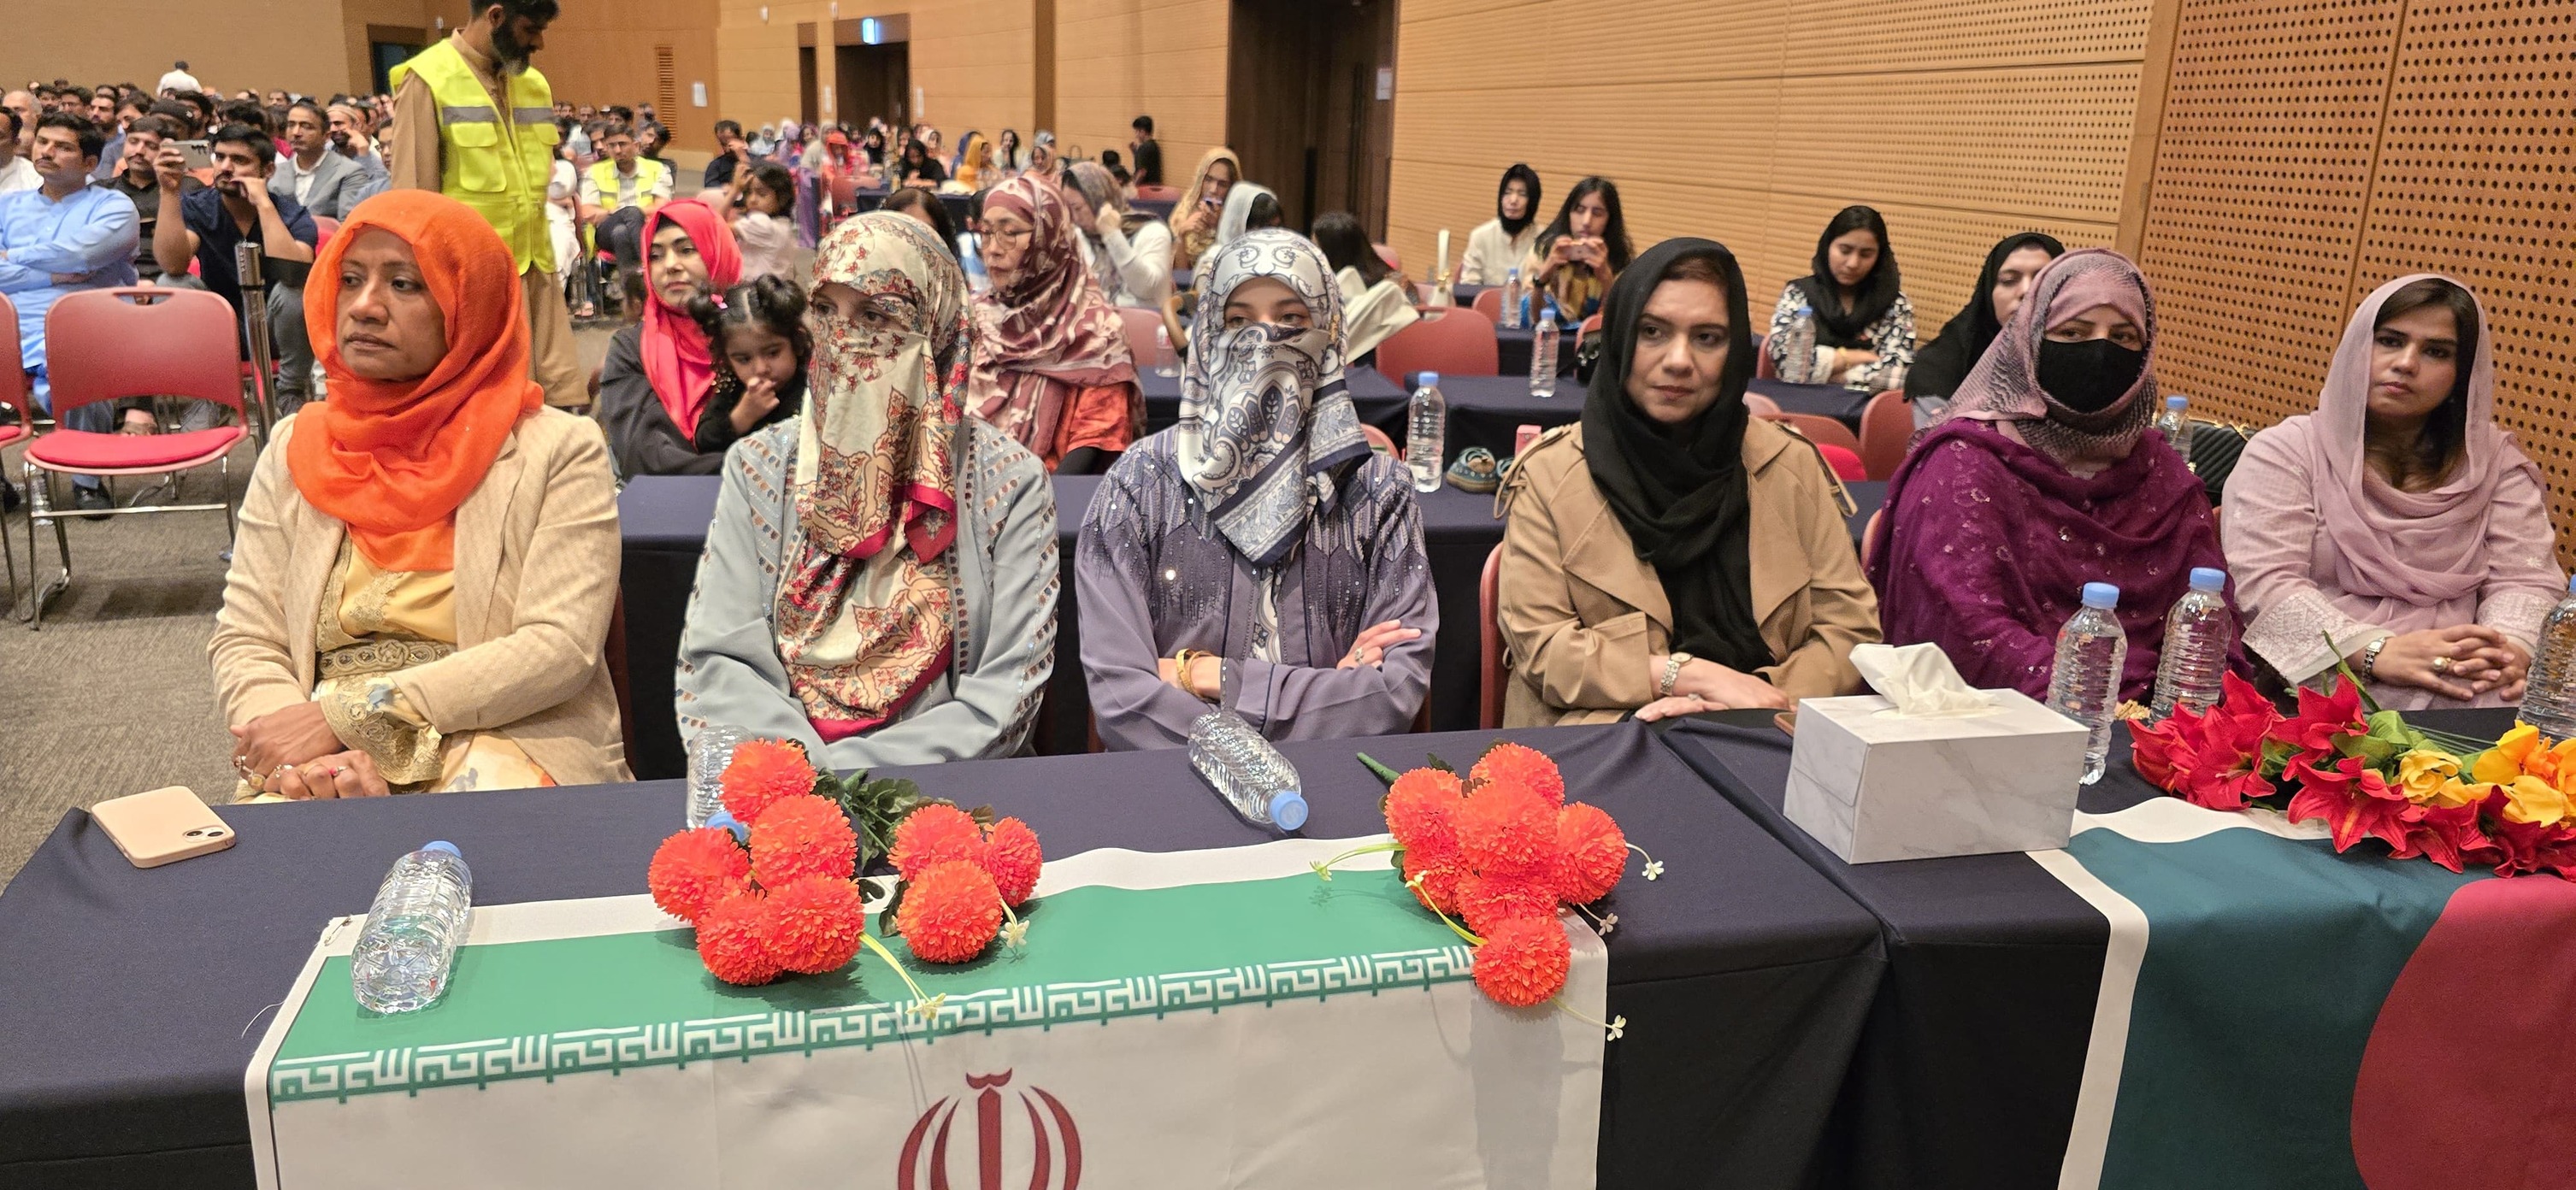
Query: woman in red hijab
{"points": [[655, 380], [428, 558], [1052, 368]]}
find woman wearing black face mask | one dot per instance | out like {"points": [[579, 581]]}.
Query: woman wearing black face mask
{"points": [[2046, 477]]}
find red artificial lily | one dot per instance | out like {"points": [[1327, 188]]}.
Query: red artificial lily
{"points": [[2355, 802], [2322, 719], [2448, 836], [2520, 847], [2158, 750]]}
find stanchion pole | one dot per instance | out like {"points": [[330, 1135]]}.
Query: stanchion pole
{"points": [[251, 262]]}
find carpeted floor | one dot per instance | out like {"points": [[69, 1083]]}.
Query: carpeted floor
{"points": [[115, 696]]}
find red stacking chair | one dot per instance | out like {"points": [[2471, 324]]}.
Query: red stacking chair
{"points": [[1453, 341], [1388, 255], [1159, 193], [108, 344], [17, 424], [323, 228], [1141, 325], [1886, 425], [1489, 302], [1821, 430], [1846, 463]]}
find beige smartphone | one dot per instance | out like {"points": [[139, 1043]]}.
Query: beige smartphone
{"points": [[163, 826]]}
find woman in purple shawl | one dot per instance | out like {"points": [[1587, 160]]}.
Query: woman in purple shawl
{"points": [[2044, 478]]}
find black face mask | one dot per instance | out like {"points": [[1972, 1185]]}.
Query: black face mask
{"points": [[2088, 376]]}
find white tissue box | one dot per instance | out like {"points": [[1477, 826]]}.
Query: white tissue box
{"points": [[1872, 785]]}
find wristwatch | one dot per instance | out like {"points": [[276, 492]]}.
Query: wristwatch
{"points": [[2370, 659], [1672, 673]]}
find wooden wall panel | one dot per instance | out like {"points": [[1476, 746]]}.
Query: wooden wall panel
{"points": [[972, 65], [1752, 121], [599, 55], [1118, 59], [757, 59]]}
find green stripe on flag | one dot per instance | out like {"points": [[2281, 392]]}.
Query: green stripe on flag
{"points": [[2267, 960], [579, 1005]]}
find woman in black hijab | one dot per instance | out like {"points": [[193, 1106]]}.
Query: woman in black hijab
{"points": [[1855, 301], [1946, 360], [1670, 554], [1498, 245]]}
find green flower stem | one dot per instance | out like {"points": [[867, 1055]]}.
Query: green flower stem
{"points": [[1382, 772], [1454, 927], [2344, 667], [1616, 1027], [1325, 868], [926, 1005]]}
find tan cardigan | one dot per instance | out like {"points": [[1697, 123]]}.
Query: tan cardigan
{"points": [[1581, 612], [536, 577]]}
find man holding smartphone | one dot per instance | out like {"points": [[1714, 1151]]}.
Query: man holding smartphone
{"points": [[239, 207]]}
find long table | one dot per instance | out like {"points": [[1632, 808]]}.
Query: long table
{"points": [[130, 1000]]}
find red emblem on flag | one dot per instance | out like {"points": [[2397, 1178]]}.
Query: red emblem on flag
{"points": [[1042, 1125]]}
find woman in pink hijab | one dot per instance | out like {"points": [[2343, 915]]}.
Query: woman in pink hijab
{"points": [[659, 373], [2397, 519], [2046, 477]]}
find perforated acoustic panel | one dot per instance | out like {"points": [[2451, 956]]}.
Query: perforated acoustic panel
{"points": [[2312, 151], [2477, 180], [1753, 121]]}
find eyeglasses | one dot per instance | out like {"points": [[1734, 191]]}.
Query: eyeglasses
{"points": [[1022, 236]]}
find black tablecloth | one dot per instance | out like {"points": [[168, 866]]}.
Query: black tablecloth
{"points": [[1512, 351], [130, 1000], [1968, 1070], [1488, 411], [1379, 401], [664, 522]]}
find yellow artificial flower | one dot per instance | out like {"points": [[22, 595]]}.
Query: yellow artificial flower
{"points": [[2456, 792], [2424, 774], [2529, 800], [2499, 765]]}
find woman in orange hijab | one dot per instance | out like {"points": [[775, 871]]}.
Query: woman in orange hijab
{"points": [[428, 558]]}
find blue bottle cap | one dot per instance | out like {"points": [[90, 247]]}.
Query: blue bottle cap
{"points": [[443, 846], [1430, 380], [1288, 809], [2101, 595], [724, 820], [2176, 401], [2207, 578]]}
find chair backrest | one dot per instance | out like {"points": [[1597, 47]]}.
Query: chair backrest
{"points": [[1159, 193], [1380, 442], [1886, 425], [1844, 461], [1388, 255], [1761, 406], [1821, 430], [1496, 668], [1489, 302], [142, 341], [1454, 341], [845, 193], [1141, 325], [1869, 534], [13, 368], [1584, 330], [323, 226]]}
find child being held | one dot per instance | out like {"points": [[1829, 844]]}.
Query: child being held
{"points": [[762, 348]]}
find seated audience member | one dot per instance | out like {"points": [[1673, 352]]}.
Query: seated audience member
{"points": [[1864, 323], [327, 183], [880, 579], [1051, 363], [1249, 206], [620, 190], [762, 349], [923, 207], [1938, 368], [1671, 554], [760, 201], [1377, 299], [655, 381], [974, 169], [1130, 251], [1500, 244], [119, 118], [732, 154], [2046, 477], [1258, 556], [1042, 158], [427, 559], [1574, 260], [238, 207], [16, 171], [1195, 216], [919, 168], [651, 139], [2398, 519], [62, 236], [139, 180], [353, 136], [1010, 159]]}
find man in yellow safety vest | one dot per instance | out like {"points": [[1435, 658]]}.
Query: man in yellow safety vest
{"points": [[619, 190], [474, 120]]}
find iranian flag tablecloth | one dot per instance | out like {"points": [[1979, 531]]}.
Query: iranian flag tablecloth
{"points": [[1189, 1019]]}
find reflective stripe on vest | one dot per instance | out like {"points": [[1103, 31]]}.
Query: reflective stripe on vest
{"points": [[500, 171], [605, 179]]}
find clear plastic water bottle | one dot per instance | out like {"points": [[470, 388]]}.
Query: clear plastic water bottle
{"points": [[1426, 432], [1167, 361], [970, 253], [2085, 686], [2174, 426], [1543, 353], [2198, 632], [1512, 300], [2549, 702], [409, 944], [709, 752], [1247, 772], [1799, 361]]}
